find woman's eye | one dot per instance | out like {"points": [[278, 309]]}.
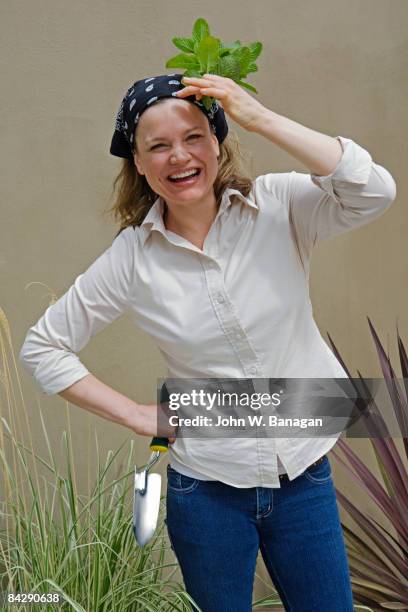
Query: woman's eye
{"points": [[163, 145]]}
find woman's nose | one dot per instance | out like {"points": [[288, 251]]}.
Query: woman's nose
{"points": [[179, 153]]}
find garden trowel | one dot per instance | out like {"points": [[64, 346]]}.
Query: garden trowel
{"points": [[146, 500]]}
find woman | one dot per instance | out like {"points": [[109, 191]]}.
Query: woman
{"points": [[215, 268]]}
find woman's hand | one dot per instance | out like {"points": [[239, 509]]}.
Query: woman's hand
{"points": [[153, 420], [235, 101]]}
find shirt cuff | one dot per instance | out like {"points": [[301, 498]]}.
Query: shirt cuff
{"points": [[56, 373], [354, 167]]}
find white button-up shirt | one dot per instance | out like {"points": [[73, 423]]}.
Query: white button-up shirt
{"points": [[238, 308]]}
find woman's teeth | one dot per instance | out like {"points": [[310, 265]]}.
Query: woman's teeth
{"points": [[184, 176]]}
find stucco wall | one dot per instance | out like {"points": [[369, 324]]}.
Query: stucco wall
{"points": [[337, 67]]}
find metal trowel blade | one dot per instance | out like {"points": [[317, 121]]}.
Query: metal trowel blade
{"points": [[146, 506]]}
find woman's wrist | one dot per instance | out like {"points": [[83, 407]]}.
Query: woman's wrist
{"points": [[100, 399], [150, 420]]}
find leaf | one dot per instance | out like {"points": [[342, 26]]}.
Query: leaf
{"points": [[375, 587], [252, 68], [200, 30], [247, 86], [228, 49], [205, 53], [208, 53], [255, 49], [243, 55], [184, 44], [182, 60], [192, 73], [229, 67], [207, 101]]}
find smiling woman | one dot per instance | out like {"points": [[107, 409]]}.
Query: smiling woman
{"points": [[227, 298], [172, 137], [182, 165]]}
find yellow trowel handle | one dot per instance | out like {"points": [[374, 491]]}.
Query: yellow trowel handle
{"points": [[159, 444]]}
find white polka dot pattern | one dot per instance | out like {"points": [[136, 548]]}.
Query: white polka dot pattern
{"points": [[137, 99]]}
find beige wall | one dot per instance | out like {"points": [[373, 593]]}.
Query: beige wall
{"points": [[337, 67]]}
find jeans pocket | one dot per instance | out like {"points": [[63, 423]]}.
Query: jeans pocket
{"points": [[179, 483], [319, 474]]}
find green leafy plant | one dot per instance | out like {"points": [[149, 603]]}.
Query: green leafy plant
{"points": [[379, 563], [56, 538], [205, 54]]}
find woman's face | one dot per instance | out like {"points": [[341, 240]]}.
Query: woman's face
{"points": [[173, 137]]}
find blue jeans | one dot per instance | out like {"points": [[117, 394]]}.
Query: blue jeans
{"points": [[216, 531]]}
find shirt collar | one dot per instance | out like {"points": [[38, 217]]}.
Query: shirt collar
{"points": [[154, 218]]}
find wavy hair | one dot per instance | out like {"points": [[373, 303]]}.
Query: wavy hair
{"points": [[133, 197]]}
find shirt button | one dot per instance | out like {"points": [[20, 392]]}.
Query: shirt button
{"points": [[220, 298], [253, 370]]}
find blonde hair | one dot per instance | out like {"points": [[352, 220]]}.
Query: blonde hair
{"points": [[133, 197]]}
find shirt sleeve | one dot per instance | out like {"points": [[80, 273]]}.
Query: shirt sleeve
{"points": [[98, 296], [321, 207]]}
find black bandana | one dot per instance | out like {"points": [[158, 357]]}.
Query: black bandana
{"points": [[141, 95]]}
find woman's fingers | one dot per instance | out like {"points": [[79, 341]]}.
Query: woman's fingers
{"points": [[200, 91], [238, 104], [187, 91]]}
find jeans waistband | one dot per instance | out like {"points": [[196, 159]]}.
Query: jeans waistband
{"points": [[286, 477]]}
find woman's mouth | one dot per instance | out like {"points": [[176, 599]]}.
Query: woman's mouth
{"points": [[186, 179]]}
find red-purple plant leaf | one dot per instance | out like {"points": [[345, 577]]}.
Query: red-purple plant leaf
{"points": [[403, 361], [383, 590], [371, 424], [402, 547], [371, 530], [399, 403], [391, 467], [338, 356], [390, 464], [378, 590], [371, 571], [396, 490], [369, 482], [404, 370], [380, 583], [364, 548], [364, 596]]}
